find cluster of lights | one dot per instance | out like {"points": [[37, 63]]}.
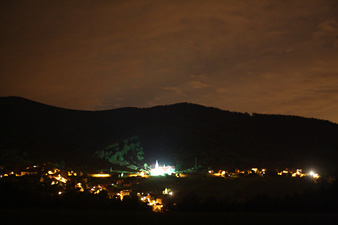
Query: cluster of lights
{"points": [[314, 175], [299, 173], [220, 173], [52, 172], [72, 173], [61, 179], [224, 173], [79, 186], [96, 189], [156, 204]]}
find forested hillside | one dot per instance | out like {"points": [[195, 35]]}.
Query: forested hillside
{"points": [[175, 134]]}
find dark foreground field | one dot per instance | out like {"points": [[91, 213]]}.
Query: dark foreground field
{"points": [[32, 216]]}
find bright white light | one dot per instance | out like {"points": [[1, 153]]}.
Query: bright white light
{"points": [[60, 193], [314, 175], [161, 171]]}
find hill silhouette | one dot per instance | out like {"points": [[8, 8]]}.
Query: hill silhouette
{"points": [[175, 134]]}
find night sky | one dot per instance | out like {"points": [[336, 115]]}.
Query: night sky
{"points": [[277, 57]]}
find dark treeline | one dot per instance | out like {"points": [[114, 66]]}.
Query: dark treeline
{"points": [[323, 200]]}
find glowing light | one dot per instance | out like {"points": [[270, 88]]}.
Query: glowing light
{"points": [[314, 175], [60, 193], [167, 191], [161, 170], [138, 174], [79, 185], [220, 173], [72, 173], [61, 179], [100, 175], [123, 193], [181, 175]]}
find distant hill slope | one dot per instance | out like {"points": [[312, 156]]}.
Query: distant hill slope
{"points": [[173, 134]]}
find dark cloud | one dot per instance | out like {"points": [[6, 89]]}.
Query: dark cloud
{"points": [[251, 56]]}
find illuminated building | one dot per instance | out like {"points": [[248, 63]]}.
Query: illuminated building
{"points": [[123, 193], [162, 170]]}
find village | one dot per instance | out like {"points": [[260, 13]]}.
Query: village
{"points": [[125, 185]]}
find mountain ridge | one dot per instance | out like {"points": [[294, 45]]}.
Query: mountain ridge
{"points": [[173, 133], [17, 98]]}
